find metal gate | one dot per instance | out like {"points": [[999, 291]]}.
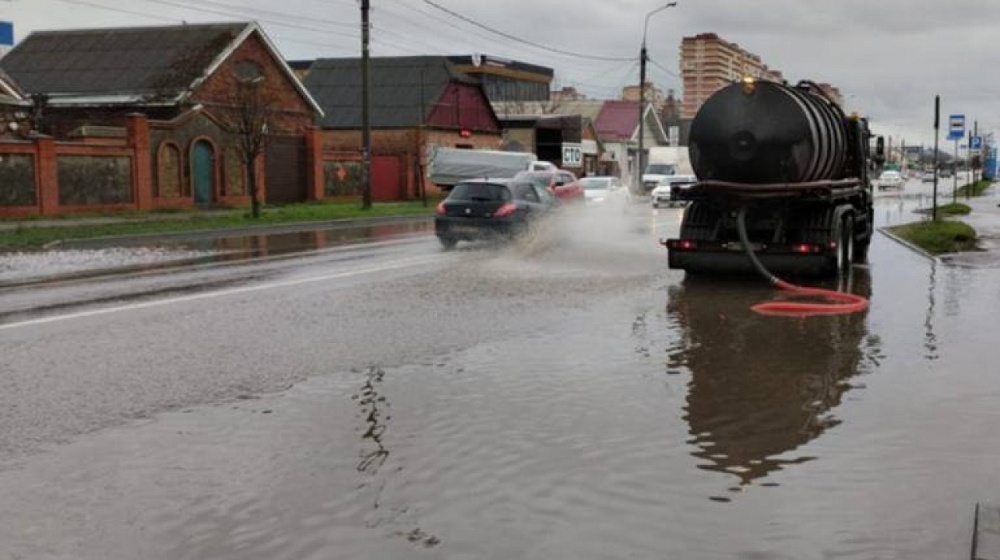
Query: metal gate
{"points": [[386, 178], [285, 169]]}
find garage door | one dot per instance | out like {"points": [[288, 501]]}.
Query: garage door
{"points": [[285, 169]]}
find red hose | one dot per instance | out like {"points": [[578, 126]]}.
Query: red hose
{"points": [[846, 302]]}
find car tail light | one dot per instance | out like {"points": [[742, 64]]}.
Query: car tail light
{"points": [[440, 211], [505, 210]]}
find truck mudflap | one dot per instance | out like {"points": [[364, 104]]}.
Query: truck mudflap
{"points": [[805, 259]]}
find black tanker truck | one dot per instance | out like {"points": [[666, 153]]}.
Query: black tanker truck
{"points": [[785, 164]]}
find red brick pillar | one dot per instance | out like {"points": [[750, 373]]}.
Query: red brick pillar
{"points": [[47, 177], [137, 133], [314, 164]]}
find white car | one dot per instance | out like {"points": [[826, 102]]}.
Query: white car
{"points": [[667, 191], [598, 189], [890, 180]]}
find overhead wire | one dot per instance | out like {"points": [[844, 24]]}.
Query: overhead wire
{"points": [[511, 37], [121, 11]]}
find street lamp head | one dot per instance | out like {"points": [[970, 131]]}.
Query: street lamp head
{"points": [[661, 8]]}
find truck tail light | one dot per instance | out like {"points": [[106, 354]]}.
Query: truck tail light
{"points": [[809, 248], [681, 244]]}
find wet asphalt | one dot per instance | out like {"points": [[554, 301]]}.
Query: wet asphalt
{"points": [[565, 398]]}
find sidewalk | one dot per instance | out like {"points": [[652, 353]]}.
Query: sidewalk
{"points": [[985, 219]]}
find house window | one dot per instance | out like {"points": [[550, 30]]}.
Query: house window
{"points": [[168, 177], [248, 71], [234, 172]]}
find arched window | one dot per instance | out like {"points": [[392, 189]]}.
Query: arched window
{"points": [[234, 172], [168, 171]]}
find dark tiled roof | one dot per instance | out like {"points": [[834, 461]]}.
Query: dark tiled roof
{"points": [[134, 60], [403, 90], [618, 120]]}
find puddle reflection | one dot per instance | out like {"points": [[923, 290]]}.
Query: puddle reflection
{"points": [[283, 243], [761, 386]]}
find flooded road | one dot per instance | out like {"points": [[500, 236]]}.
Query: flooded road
{"points": [[570, 399]]}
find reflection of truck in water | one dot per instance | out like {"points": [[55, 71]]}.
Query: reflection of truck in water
{"points": [[796, 165], [757, 393], [447, 167]]}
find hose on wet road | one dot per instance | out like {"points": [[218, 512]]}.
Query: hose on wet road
{"points": [[843, 302]]}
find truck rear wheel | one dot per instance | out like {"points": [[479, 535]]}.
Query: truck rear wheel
{"points": [[699, 222], [845, 248]]}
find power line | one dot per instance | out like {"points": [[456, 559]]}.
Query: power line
{"points": [[121, 11], [230, 14], [269, 13], [520, 40], [661, 67]]}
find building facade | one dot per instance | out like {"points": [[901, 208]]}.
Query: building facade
{"points": [[709, 63], [506, 80]]}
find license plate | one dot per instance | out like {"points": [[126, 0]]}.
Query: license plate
{"points": [[737, 246], [464, 229]]}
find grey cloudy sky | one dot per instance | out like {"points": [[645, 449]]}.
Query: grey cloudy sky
{"points": [[889, 57]]}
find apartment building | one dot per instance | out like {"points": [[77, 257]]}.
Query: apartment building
{"points": [[709, 63]]}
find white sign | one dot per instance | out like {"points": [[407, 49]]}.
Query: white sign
{"points": [[572, 155], [956, 127], [674, 136]]}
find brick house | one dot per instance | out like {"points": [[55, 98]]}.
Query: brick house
{"points": [[416, 103], [140, 118]]}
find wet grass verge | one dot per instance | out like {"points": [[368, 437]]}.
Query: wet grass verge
{"points": [[35, 235], [942, 236], [973, 189]]}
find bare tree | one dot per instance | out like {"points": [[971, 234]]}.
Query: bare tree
{"points": [[248, 124]]}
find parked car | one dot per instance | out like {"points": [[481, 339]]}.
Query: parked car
{"points": [[481, 209], [890, 180], [599, 189], [927, 177], [667, 191], [561, 183]]}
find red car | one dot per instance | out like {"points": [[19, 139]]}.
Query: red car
{"points": [[563, 184]]}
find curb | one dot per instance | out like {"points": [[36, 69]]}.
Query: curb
{"points": [[908, 245]]}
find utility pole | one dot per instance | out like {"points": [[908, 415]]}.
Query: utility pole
{"points": [[937, 126], [366, 130], [642, 97], [642, 115], [972, 168], [954, 174]]}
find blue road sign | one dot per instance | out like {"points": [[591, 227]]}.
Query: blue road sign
{"points": [[6, 34], [956, 127], [976, 144]]}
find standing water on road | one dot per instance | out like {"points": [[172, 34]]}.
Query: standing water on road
{"points": [[574, 400]]}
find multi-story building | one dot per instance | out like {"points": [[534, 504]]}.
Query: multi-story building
{"points": [[709, 63]]}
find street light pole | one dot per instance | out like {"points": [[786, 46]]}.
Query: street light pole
{"points": [[642, 96], [366, 131]]}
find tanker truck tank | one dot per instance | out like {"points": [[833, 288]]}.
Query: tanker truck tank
{"points": [[765, 132], [783, 184]]}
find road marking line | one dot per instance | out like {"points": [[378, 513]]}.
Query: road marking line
{"points": [[416, 261]]}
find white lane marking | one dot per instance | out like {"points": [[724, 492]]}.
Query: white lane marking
{"points": [[221, 293]]}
